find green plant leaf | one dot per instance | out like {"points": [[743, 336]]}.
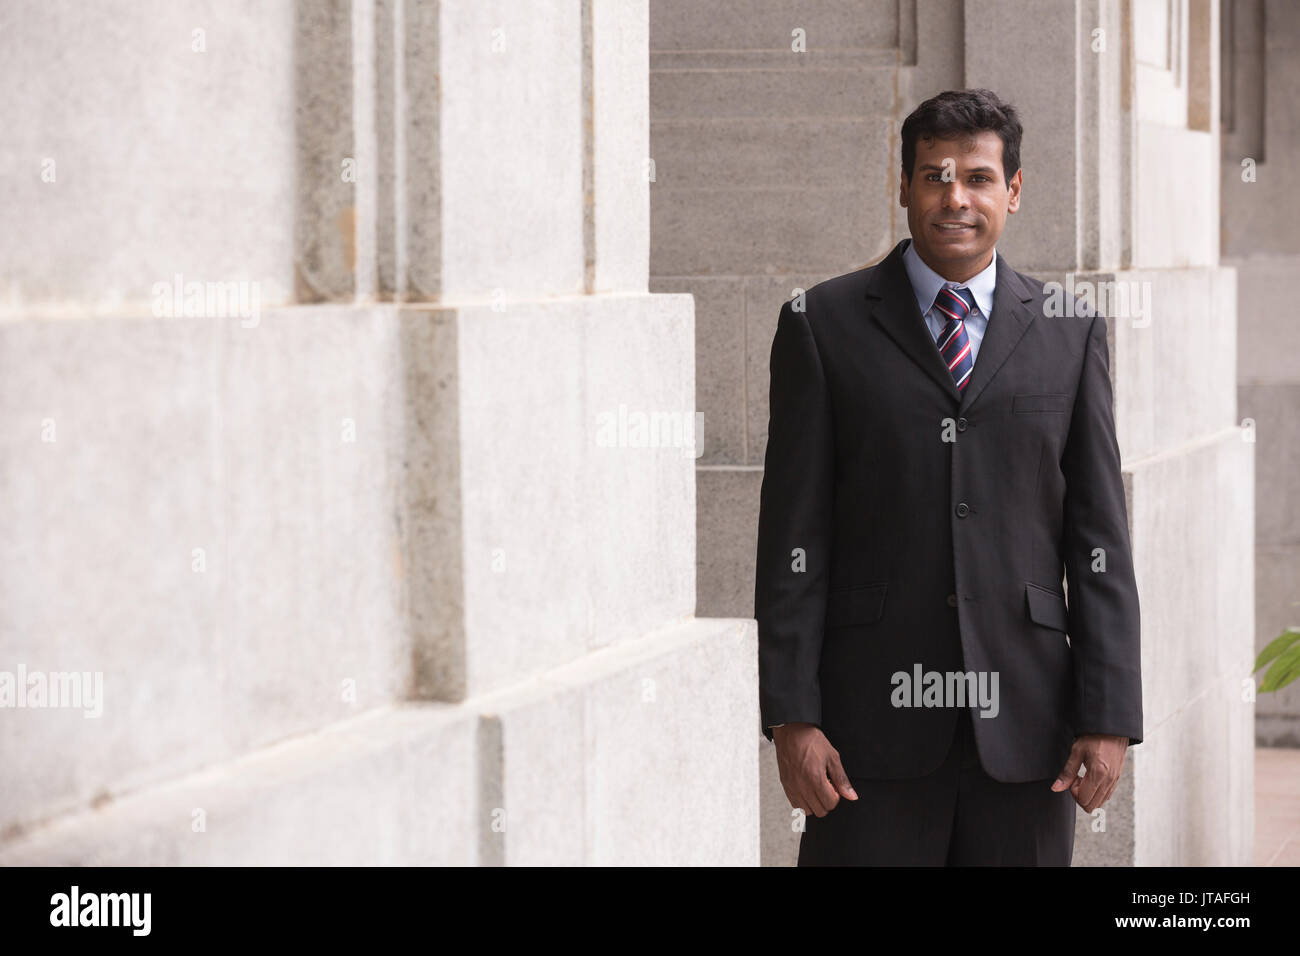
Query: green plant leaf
{"points": [[1284, 670], [1276, 647]]}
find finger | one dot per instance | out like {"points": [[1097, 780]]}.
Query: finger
{"points": [[795, 794], [797, 802], [826, 793], [1070, 772], [840, 779], [1104, 791], [809, 790], [1119, 772], [1094, 784], [1098, 800], [1109, 791], [792, 783]]}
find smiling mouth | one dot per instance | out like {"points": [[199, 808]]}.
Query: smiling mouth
{"points": [[954, 226]]}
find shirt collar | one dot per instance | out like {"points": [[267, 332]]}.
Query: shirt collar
{"points": [[926, 283]]}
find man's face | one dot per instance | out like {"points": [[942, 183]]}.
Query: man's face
{"points": [[957, 202]]}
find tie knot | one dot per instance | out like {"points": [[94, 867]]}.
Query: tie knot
{"points": [[955, 303]]}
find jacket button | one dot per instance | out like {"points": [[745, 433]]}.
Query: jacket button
{"points": [[963, 510], [952, 600], [961, 424]]}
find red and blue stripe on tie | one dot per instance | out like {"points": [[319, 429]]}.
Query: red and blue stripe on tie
{"points": [[953, 344]]}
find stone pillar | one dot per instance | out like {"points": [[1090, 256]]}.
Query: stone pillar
{"points": [[397, 565], [1261, 62]]}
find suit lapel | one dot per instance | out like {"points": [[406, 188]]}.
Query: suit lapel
{"points": [[1007, 325], [893, 306]]}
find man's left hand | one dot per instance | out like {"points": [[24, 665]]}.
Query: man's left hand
{"points": [[1103, 757]]}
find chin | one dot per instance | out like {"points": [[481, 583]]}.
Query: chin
{"points": [[955, 250]]}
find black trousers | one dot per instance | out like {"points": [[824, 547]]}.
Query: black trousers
{"points": [[956, 816]]}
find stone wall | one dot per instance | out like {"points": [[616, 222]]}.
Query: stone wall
{"points": [[373, 560]]}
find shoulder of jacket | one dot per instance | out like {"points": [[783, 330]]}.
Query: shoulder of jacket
{"points": [[1047, 300], [841, 287]]}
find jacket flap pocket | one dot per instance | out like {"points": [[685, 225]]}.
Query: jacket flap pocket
{"points": [[862, 604], [1047, 402], [1046, 607]]}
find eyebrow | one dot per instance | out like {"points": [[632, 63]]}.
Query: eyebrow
{"points": [[974, 169]]}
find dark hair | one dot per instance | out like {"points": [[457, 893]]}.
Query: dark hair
{"points": [[955, 113]]}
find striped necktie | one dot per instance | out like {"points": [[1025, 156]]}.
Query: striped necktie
{"points": [[953, 344]]}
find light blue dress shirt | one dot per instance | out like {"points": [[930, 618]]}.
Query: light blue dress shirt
{"points": [[926, 283]]}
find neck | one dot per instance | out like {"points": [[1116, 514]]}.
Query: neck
{"points": [[955, 272]]}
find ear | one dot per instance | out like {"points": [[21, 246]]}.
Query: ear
{"points": [[1013, 200], [902, 190]]}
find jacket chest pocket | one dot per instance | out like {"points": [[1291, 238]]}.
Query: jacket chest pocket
{"points": [[855, 606], [1041, 402]]}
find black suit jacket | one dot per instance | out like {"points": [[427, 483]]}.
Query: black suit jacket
{"points": [[903, 522]]}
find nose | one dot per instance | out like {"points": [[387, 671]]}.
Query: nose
{"points": [[954, 197]]}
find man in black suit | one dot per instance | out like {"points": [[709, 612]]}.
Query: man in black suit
{"points": [[941, 474]]}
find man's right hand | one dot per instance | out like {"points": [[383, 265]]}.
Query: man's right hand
{"points": [[810, 767]]}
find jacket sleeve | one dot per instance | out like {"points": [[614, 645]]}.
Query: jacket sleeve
{"points": [[1104, 618], [794, 528]]}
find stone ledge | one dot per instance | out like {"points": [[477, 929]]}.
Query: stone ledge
{"points": [[424, 783]]}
